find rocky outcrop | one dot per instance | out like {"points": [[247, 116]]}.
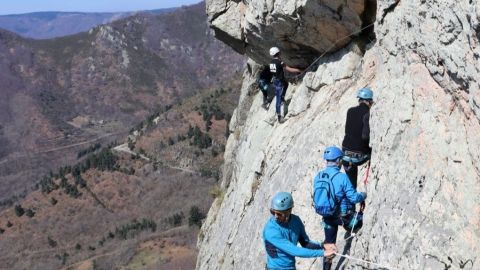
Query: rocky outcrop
{"points": [[301, 29], [423, 207]]}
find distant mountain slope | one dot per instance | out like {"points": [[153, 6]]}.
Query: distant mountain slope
{"points": [[44, 25], [158, 87], [60, 95], [84, 214]]}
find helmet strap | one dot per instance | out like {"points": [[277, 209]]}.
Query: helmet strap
{"points": [[366, 101]]}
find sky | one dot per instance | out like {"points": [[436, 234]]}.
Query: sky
{"points": [[27, 6]]}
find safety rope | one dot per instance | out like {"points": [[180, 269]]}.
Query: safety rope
{"points": [[367, 262], [354, 222], [365, 181], [328, 50], [352, 235]]}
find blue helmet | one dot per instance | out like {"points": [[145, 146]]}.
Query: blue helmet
{"points": [[282, 201], [365, 93], [332, 153]]}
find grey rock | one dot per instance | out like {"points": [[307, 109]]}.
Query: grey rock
{"points": [[424, 185], [302, 29]]}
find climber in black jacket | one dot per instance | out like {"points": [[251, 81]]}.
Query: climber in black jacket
{"points": [[277, 67], [357, 135]]}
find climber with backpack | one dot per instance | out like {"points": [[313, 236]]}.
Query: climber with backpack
{"points": [[264, 83], [282, 233], [334, 198], [356, 142], [277, 67]]}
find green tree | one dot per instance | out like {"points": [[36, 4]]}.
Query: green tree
{"points": [[227, 128], [19, 211], [65, 256], [79, 181], [29, 213], [176, 219], [63, 182], [47, 185], [208, 124], [52, 243], [130, 144], [53, 201], [134, 227], [72, 190], [200, 139], [195, 217], [190, 131]]}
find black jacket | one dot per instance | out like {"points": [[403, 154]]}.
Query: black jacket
{"points": [[276, 68], [357, 129], [265, 74]]}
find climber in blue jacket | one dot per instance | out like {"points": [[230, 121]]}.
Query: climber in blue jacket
{"points": [[282, 233], [341, 198]]}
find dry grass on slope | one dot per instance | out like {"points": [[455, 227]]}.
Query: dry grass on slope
{"points": [[96, 230]]}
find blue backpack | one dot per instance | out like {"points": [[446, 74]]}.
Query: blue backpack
{"points": [[324, 199]]}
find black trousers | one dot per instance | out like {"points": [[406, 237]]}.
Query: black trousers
{"points": [[351, 168], [352, 171], [330, 227]]}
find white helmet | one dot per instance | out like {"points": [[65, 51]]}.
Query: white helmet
{"points": [[274, 51]]}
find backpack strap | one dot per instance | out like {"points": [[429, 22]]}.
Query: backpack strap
{"points": [[333, 188]]}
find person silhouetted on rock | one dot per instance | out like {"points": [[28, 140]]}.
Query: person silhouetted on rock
{"points": [[357, 135], [334, 198], [277, 67], [284, 231]]}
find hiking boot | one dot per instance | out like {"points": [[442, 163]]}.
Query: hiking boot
{"points": [[281, 119], [265, 106]]}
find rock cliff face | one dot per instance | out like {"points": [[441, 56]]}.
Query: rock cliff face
{"points": [[422, 61], [300, 28]]}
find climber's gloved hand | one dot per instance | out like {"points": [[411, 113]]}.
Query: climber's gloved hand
{"points": [[362, 206]]}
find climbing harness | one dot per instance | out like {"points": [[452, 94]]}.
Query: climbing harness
{"points": [[295, 78], [367, 262], [355, 158]]}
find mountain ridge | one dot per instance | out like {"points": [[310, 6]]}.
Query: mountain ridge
{"points": [[82, 87], [51, 24]]}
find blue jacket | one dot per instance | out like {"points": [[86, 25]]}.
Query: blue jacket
{"points": [[281, 243], [344, 191]]}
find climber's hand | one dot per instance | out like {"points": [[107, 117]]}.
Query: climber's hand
{"points": [[362, 206], [330, 250]]}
